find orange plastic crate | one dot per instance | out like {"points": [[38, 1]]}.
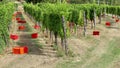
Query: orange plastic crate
{"points": [[22, 50], [16, 50]]}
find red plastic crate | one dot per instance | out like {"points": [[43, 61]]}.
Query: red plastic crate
{"points": [[25, 49], [71, 24], [16, 50], [36, 26], [19, 12], [18, 19], [96, 32], [108, 24], [14, 14], [14, 37], [117, 20], [34, 35], [21, 27], [113, 17], [21, 21]]}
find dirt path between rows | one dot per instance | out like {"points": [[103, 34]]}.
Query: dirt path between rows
{"points": [[36, 58]]}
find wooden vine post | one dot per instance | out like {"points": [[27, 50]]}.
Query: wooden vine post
{"points": [[86, 18], [84, 15], [94, 20], [64, 32], [100, 17]]}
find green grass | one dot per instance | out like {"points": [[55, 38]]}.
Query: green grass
{"points": [[60, 52], [1, 50], [40, 45], [106, 59], [2, 46], [28, 28], [72, 64], [68, 64], [88, 37]]}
